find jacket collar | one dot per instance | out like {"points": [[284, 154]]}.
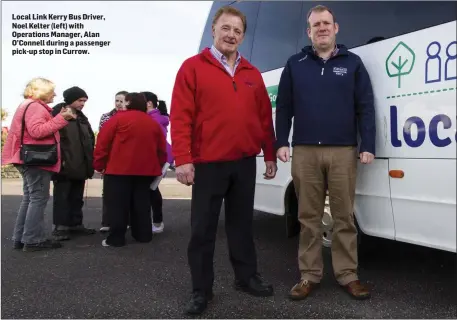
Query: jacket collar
{"points": [[244, 64], [340, 50]]}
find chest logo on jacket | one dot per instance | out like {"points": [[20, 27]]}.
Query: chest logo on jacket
{"points": [[340, 71]]}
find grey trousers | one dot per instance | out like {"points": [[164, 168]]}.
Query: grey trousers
{"points": [[30, 225]]}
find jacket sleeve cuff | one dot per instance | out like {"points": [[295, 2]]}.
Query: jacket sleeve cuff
{"points": [[280, 144], [269, 157], [269, 153], [180, 160], [365, 148]]}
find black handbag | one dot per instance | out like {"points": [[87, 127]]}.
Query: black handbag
{"points": [[37, 154]]}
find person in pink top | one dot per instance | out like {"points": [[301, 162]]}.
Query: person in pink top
{"points": [[40, 128], [155, 109]]}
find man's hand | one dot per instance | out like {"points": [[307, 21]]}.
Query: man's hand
{"points": [[270, 170], [283, 154], [366, 157], [185, 174], [67, 114]]}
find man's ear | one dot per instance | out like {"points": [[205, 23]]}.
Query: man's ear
{"points": [[337, 28]]}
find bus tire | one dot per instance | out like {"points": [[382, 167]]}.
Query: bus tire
{"points": [[291, 214]]}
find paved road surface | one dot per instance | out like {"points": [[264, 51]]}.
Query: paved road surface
{"points": [[86, 280]]}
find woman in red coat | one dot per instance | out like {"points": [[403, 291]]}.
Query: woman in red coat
{"points": [[130, 152]]}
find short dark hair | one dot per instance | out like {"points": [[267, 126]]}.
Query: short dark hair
{"points": [[124, 93], [136, 101], [151, 97], [320, 8]]}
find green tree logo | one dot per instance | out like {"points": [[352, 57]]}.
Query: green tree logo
{"points": [[400, 61]]}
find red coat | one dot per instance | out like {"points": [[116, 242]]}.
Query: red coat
{"points": [[215, 117], [130, 143], [40, 128]]}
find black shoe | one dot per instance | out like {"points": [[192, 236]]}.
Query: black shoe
{"points": [[81, 230], [61, 235], [255, 286], [197, 304], [17, 245], [45, 245]]}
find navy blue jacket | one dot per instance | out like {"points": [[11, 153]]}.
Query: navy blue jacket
{"points": [[328, 101]]}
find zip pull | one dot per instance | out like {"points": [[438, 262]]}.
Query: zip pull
{"points": [[322, 72], [234, 84]]}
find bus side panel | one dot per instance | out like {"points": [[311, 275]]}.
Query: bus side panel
{"points": [[424, 202], [372, 205], [269, 194]]}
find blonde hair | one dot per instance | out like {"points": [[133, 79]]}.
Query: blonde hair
{"points": [[231, 11], [39, 88]]}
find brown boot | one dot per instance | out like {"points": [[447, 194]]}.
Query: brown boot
{"points": [[357, 290], [302, 290]]}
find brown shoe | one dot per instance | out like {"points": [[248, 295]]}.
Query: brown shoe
{"points": [[302, 290], [357, 290]]}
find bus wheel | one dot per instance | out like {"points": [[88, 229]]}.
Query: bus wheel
{"points": [[327, 228], [292, 223], [327, 225]]}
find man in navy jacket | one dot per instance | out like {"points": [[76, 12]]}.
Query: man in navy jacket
{"points": [[327, 91]]}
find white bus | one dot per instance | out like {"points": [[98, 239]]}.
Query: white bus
{"points": [[408, 193]]}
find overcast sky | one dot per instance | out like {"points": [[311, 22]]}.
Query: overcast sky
{"points": [[149, 41]]}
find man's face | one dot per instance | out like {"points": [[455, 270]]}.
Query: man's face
{"points": [[120, 102], [79, 104], [228, 33], [322, 30]]}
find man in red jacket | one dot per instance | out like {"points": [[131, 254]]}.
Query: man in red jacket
{"points": [[221, 118]]}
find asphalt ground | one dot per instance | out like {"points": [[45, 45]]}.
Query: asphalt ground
{"points": [[86, 280]]}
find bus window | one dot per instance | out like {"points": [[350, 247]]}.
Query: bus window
{"points": [[276, 34], [361, 21]]}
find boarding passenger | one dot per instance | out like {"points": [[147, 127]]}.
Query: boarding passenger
{"points": [[156, 197], [32, 127], [130, 152], [221, 119], [119, 104], [77, 148], [335, 98]]}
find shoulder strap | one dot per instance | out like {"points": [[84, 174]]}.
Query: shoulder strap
{"points": [[23, 124]]}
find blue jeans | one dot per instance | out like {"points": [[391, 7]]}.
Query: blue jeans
{"points": [[30, 225]]}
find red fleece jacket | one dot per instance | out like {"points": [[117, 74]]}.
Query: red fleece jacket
{"points": [[215, 117], [130, 143]]}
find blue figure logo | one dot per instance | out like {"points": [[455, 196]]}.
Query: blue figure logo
{"points": [[450, 65], [433, 64]]}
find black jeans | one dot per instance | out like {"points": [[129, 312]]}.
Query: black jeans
{"points": [[156, 205], [127, 198], [104, 210], [235, 183], [68, 202]]}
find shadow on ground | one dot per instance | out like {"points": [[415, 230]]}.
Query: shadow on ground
{"points": [[86, 280]]}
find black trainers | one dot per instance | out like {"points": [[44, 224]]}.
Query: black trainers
{"points": [[17, 245], [81, 230], [61, 235], [45, 245], [255, 286]]}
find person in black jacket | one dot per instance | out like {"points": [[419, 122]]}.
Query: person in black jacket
{"points": [[327, 91], [76, 147]]}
